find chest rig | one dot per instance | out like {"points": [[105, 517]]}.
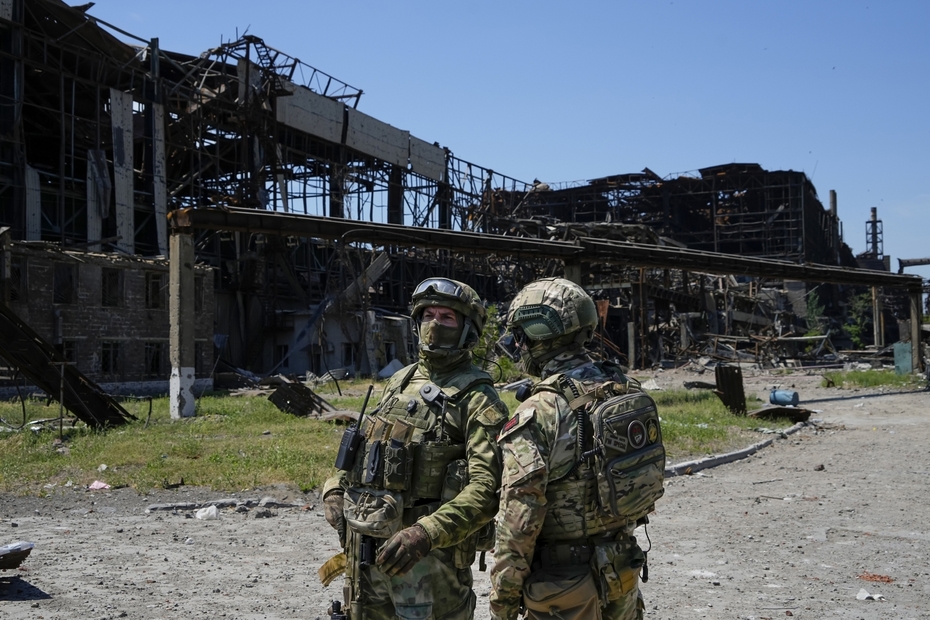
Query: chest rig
{"points": [[619, 462], [414, 444]]}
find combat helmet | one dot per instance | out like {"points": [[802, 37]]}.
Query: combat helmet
{"points": [[551, 316], [456, 295]]}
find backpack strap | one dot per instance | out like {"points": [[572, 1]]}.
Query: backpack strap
{"points": [[570, 392]]}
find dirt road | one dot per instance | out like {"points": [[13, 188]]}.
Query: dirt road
{"points": [[796, 530]]}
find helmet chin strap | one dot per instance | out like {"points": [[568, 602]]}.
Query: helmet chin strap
{"points": [[464, 336]]}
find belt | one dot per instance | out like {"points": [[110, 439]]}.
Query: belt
{"points": [[554, 555], [413, 514]]}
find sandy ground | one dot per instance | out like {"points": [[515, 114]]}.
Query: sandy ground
{"points": [[797, 530]]}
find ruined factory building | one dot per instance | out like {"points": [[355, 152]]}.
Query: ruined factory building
{"points": [[116, 153]]}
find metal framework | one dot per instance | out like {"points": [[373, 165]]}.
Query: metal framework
{"points": [[100, 140]]}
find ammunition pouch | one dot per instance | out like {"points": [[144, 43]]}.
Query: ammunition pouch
{"points": [[374, 512], [430, 462], [617, 565]]}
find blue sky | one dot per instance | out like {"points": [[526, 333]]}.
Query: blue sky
{"points": [[564, 92]]}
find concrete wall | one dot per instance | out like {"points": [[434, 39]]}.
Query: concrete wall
{"points": [[131, 332]]}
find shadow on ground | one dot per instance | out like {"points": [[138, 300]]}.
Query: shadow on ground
{"points": [[15, 588]]}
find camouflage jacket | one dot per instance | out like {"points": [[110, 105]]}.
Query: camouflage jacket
{"points": [[537, 444], [475, 422]]}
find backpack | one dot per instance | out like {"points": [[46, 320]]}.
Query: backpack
{"points": [[626, 451]]}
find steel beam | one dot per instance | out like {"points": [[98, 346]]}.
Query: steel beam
{"points": [[274, 223], [641, 255], [585, 249]]}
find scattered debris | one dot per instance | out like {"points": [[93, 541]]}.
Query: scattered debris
{"points": [[795, 414], [207, 514], [13, 554], [44, 365], [299, 400], [98, 485], [730, 388], [699, 385], [865, 596], [783, 397], [516, 385], [867, 576]]}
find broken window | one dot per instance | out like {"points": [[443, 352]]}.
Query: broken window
{"points": [[155, 360], [110, 357], [280, 355], [155, 291], [65, 283], [348, 354], [17, 280], [66, 348], [111, 287], [316, 359]]}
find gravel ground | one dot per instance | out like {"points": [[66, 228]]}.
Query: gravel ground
{"points": [[797, 530]]}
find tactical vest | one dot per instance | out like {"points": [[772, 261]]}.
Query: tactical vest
{"points": [[618, 471], [408, 466]]}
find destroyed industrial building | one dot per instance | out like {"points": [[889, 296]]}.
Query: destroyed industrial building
{"points": [[297, 225]]}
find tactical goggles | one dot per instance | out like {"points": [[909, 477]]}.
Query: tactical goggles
{"points": [[441, 286]]}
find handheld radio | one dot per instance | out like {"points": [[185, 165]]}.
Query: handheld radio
{"points": [[352, 439]]}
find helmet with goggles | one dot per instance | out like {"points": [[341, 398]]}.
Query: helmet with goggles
{"points": [[552, 308], [450, 294]]}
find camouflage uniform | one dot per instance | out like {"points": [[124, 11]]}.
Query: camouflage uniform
{"points": [[558, 553], [452, 496], [538, 447]]}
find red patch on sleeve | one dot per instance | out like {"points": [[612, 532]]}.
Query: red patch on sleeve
{"points": [[510, 424]]}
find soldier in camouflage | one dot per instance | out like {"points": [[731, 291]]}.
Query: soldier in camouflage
{"points": [[436, 463], [557, 553]]}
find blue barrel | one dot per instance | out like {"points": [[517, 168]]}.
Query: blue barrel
{"points": [[783, 397]]}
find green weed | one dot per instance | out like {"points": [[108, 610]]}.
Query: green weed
{"points": [[870, 378], [237, 443]]}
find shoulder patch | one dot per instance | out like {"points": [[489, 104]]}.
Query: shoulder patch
{"points": [[494, 414], [519, 420]]}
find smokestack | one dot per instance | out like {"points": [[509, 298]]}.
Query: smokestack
{"points": [[833, 202], [874, 231]]}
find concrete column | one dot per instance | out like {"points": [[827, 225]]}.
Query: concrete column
{"points": [[123, 173], [159, 177], [878, 327], [573, 271], [33, 205], [916, 321], [181, 313]]}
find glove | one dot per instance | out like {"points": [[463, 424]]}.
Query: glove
{"points": [[403, 550], [332, 511]]}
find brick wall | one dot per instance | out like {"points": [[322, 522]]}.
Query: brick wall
{"points": [[108, 313]]}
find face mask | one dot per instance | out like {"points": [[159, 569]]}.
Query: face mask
{"points": [[436, 336], [529, 355]]}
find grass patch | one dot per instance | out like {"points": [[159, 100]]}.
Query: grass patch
{"points": [[233, 443], [695, 423], [237, 443], [871, 378]]}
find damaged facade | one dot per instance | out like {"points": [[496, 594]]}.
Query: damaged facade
{"points": [[102, 141], [105, 313]]}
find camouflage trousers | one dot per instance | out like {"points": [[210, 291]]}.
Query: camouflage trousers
{"points": [[432, 590], [572, 595]]}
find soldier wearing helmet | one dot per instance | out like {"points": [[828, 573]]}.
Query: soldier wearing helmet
{"points": [[423, 485], [557, 551]]}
